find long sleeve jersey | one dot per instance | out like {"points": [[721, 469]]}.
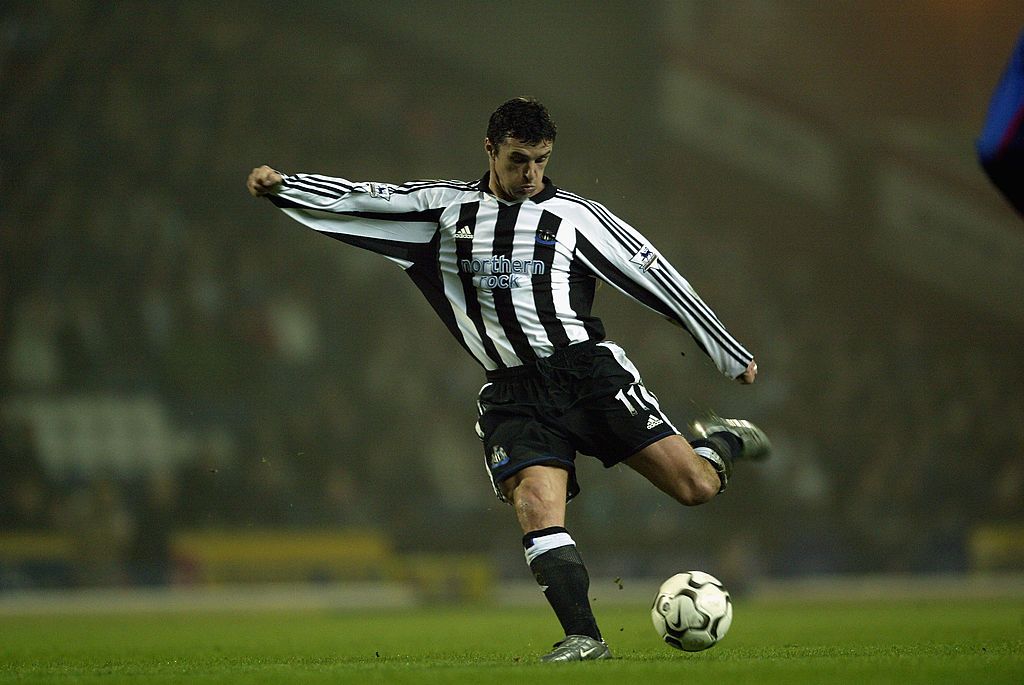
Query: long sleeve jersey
{"points": [[512, 281]]}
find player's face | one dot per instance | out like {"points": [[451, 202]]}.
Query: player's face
{"points": [[517, 169]]}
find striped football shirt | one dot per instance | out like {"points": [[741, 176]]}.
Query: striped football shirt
{"points": [[512, 281]]}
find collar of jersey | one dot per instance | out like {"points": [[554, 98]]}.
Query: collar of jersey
{"points": [[549, 191]]}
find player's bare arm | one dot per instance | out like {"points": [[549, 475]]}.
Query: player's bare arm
{"points": [[263, 180]]}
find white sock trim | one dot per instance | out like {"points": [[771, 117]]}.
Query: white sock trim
{"points": [[711, 455], [546, 543]]}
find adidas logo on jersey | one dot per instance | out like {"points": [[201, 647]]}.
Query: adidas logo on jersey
{"points": [[463, 233], [653, 422]]}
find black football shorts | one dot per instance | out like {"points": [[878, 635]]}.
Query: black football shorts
{"points": [[587, 398]]}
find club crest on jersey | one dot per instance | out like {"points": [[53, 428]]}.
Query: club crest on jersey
{"points": [[644, 258], [498, 456], [546, 237]]}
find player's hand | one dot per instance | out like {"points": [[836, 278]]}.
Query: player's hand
{"points": [[748, 376], [263, 180]]}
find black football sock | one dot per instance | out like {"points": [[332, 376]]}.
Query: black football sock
{"points": [[721, 449], [559, 570], [729, 442]]}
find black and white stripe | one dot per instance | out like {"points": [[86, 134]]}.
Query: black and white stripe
{"points": [[512, 281]]}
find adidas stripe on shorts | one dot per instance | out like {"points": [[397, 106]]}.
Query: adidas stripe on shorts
{"points": [[587, 398]]}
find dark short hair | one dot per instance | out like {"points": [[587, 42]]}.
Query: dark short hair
{"points": [[524, 119]]}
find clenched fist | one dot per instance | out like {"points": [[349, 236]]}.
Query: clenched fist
{"points": [[748, 376], [262, 181]]}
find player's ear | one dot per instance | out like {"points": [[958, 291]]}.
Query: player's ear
{"points": [[490, 148]]}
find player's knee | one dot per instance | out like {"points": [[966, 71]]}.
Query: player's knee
{"points": [[696, 490], [533, 497], [707, 489], [531, 493]]}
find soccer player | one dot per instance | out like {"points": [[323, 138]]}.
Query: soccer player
{"points": [[510, 263], [1001, 144]]}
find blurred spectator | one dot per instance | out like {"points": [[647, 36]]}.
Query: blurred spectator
{"points": [[100, 528], [34, 358], [149, 557]]}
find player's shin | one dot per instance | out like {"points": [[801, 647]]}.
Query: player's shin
{"points": [[561, 574]]}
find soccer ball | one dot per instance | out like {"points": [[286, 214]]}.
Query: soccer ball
{"points": [[692, 611]]}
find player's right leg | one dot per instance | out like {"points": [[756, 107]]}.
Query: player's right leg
{"points": [[538, 494], [531, 465]]}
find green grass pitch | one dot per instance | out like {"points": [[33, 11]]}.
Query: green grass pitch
{"points": [[971, 641]]}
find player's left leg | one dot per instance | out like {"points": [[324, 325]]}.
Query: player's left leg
{"points": [[673, 466], [622, 421], [694, 472]]}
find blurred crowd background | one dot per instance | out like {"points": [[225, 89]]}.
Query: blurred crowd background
{"points": [[176, 356]]}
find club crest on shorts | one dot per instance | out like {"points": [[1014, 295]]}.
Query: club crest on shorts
{"points": [[498, 456]]}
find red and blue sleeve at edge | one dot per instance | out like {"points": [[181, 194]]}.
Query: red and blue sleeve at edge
{"points": [[1001, 144]]}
